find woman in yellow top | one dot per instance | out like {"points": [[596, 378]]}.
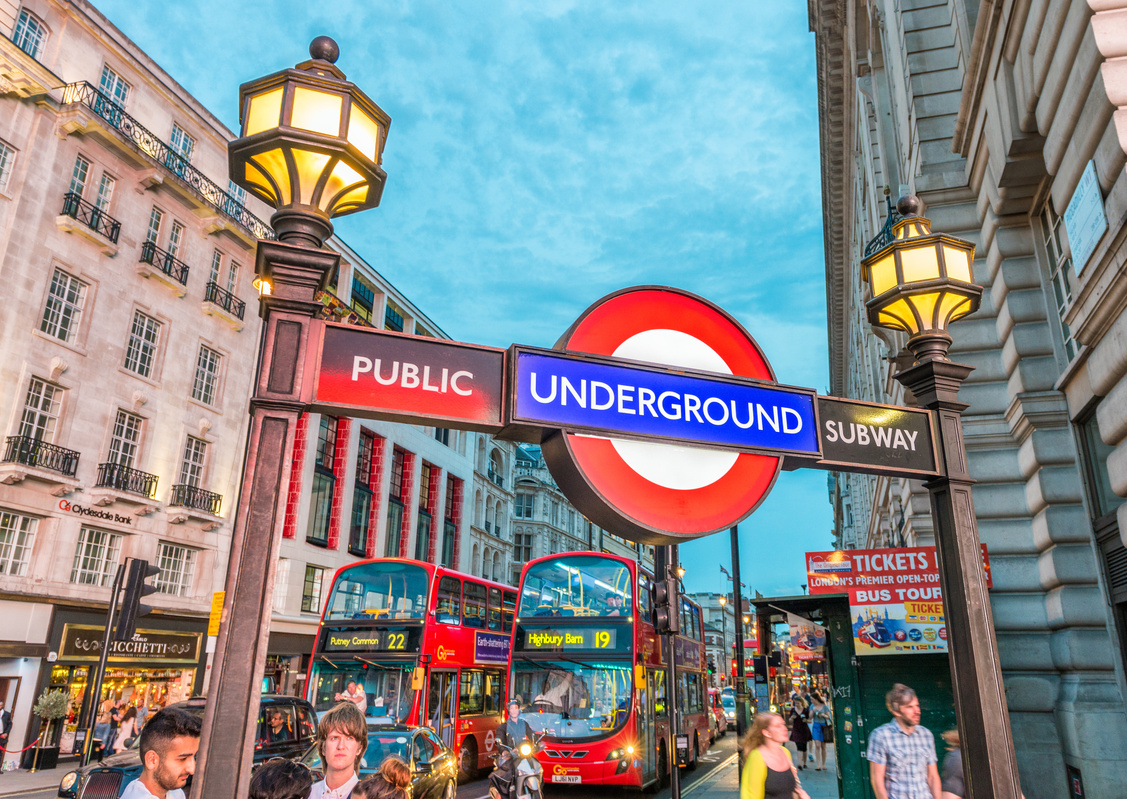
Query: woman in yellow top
{"points": [[768, 772]]}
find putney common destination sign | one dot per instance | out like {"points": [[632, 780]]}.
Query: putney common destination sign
{"points": [[659, 416]]}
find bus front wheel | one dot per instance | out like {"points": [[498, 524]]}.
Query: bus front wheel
{"points": [[467, 759]]}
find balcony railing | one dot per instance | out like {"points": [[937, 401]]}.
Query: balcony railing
{"points": [[496, 478], [41, 455], [122, 478], [91, 215], [224, 299], [165, 262], [165, 156], [186, 496]]}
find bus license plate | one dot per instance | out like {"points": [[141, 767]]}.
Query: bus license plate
{"points": [[567, 778]]}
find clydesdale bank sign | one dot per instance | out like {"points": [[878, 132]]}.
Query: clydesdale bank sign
{"points": [[657, 412]]}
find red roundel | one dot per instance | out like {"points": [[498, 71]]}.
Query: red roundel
{"points": [[650, 492]]}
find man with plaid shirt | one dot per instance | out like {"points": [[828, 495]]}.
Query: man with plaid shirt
{"points": [[902, 759]]}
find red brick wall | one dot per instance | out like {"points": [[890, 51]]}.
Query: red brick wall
{"points": [[340, 463], [293, 498]]}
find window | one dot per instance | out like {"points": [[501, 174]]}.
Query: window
{"points": [[79, 175], [237, 199], [508, 610], [232, 277], [7, 159], [105, 193], [494, 614], [522, 551], [442, 435], [522, 506], [207, 375], [156, 216], [40, 411], [450, 522], [362, 497], [175, 237], [144, 337], [471, 694], [216, 263], [311, 591], [17, 534], [191, 468], [113, 86], [30, 33], [392, 318], [95, 560], [181, 142], [1060, 274], [324, 483], [473, 605], [363, 298], [395, 503], [125, 439], [64, 305], [177, 565], [448, 610]]}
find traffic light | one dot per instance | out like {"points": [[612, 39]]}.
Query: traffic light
{"points": [[711, 666], [135, 590], [667, 619]]}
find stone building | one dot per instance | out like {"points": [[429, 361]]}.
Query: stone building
{"points": [[1008, 120]]}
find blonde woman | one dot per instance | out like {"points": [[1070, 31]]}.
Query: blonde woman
{"points": [[768, 771]]}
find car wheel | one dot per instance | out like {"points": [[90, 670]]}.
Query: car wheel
{"points": [[467, 759]]}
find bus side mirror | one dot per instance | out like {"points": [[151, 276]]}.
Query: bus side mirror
{"points": [[418, 677]]}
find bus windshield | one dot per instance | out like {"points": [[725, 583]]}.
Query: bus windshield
{"points": [[386, 690], [581, 585], [379, 591], [573, 700]]}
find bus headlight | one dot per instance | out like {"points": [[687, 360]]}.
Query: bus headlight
{"points": [[525, 750]]}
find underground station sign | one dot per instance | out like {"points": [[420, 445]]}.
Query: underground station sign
{"points": [[657, 413]]}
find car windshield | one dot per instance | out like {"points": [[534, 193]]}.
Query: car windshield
{"points": [[386, 689], [729, 702], [566, 699], [379, 590], [580, 585], [382, 744]]}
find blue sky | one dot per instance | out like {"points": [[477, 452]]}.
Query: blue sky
{"points": [[543, 154]]}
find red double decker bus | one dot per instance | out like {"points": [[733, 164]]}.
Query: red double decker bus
{"points": [[588, 670], [427, 645]]}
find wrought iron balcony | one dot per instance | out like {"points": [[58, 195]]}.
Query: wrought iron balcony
{"points": [[225, 300], [122, 478], [165, 262], [186, 496], [496, 478], [91, 215], [41, 455], [165, 156]]}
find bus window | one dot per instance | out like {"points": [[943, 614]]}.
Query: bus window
{"points": [[510, 610], [658, 680], [449, 609], [473, 609], [574, 700], [471, 698], [645, 598], [494, 608], [379, 591], [494, 687], [578, 585]]}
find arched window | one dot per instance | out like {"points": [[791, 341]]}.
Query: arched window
{"points": [[30, 34], [496, 566], [500, 518], [478, 509], [480, 462], [489, 517], [475, 561]]}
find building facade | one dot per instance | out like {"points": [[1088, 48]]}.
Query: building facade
{"points": [[126, 261], [1006, 118]]}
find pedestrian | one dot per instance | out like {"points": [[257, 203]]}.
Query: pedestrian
{"points": [[768, 771], [390, 782], [103, 726], [800, 730], [342, 739], [901, 753], [127, 731], [5, 725], [281, 779], [168, 756], [820, 722], [951, 780]]}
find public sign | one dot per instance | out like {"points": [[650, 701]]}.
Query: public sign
{"points": [[875, 439], [584, 394], [216, 612], [895, 602], [1084, 218], [490, 648], [83, 643], [400, 378]]}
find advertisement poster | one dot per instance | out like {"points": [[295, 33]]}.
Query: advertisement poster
{"points": [[895, 602], [808, 640]]}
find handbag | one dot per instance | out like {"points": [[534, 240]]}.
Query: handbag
{"points": [[828, 733]]}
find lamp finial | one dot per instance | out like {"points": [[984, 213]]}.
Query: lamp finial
{"points": [[908, 205], [325, 49]]}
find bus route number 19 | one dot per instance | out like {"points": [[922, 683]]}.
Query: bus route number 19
{"points": [[602, 639]]}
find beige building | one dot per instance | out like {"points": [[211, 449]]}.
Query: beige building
{"points": [[1008, 120]]}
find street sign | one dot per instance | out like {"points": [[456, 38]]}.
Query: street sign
{"points": [[873, 439], [411, 379]]}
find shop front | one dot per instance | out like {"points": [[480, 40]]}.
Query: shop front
{"points": [[158, 666], [287, 663]]}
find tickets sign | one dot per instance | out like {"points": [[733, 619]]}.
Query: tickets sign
{"points": [[895, 601]]}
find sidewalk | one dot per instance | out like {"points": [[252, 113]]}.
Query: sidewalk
{"points": [[723, 782], [20, 781]]}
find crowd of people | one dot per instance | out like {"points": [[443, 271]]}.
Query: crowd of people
{"points": [[119, 722]]}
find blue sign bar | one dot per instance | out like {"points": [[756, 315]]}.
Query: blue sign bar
{"points": [[582, 394]]}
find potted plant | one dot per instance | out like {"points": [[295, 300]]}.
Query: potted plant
{"points": [[50, 707]]}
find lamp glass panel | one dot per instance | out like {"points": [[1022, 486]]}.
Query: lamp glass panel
{"points": [[954, 306], [958, 263], [887, 320], [343, 177], [316, 111], [903, 313], [263, 112], [363, 132], [883, 275], [919, 263], [260, 184], [273, 163], [350, 200], [925, 309], [309, 166]]}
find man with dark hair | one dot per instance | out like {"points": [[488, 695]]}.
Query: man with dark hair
{"points": [[168, 756], [342, 739], [281, 779], [513, 729], [901, 753]]}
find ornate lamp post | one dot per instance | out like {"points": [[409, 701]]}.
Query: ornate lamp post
{"points": [[920, 283], [311, 145]]}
